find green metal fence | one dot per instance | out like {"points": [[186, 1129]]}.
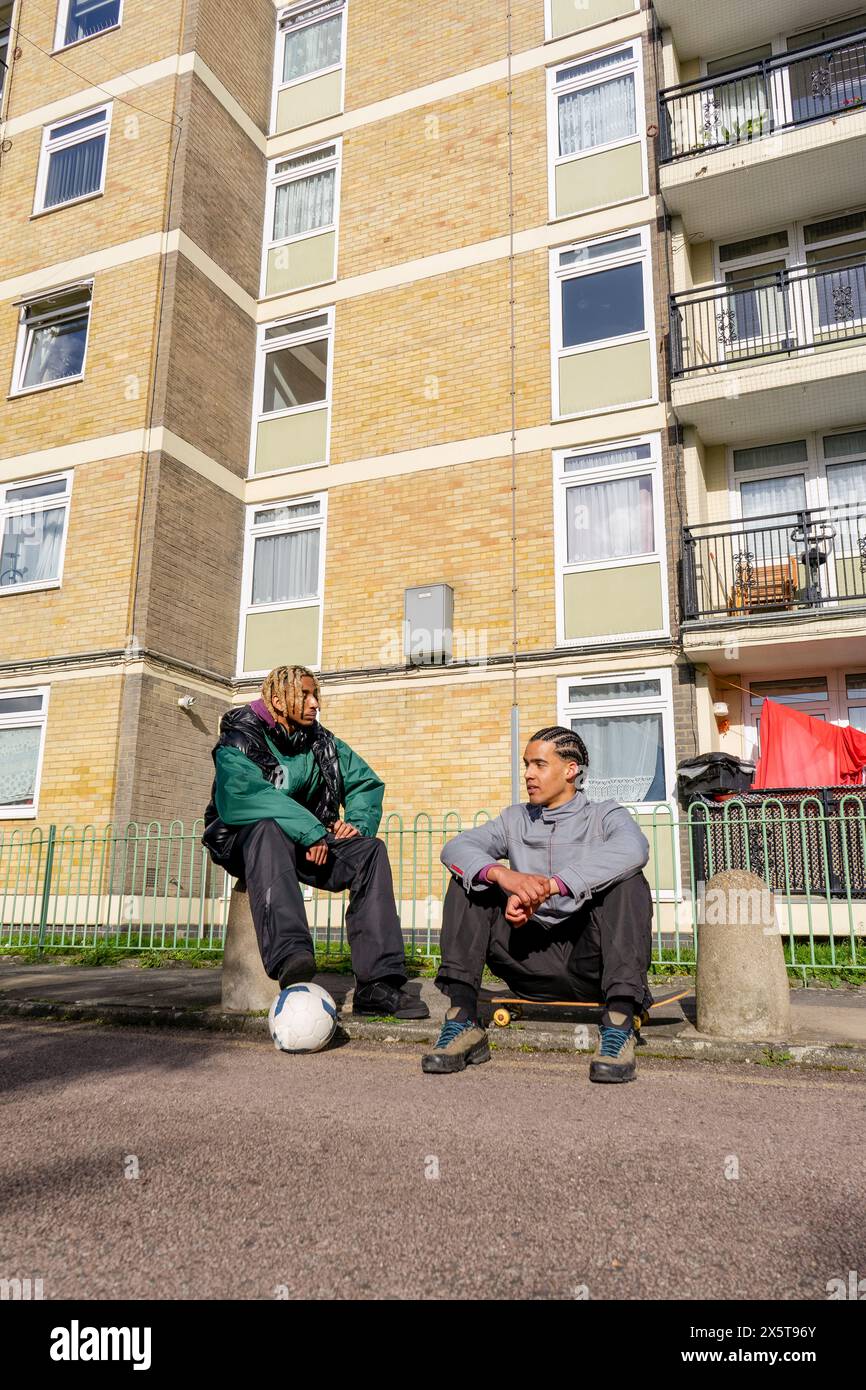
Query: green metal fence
{"points": [[153, 888]]}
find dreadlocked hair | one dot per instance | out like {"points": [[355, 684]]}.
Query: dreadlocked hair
{"points": [[569, 745], [285, 683]]}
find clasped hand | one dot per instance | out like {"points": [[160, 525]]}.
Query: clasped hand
{"points": [[526, 892], [341, 830]]}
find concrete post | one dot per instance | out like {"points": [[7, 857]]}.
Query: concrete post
{"points": [[245, 987], [742, 984]]}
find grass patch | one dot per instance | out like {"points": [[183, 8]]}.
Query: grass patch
{"points": [[773, 1057], [192, 956]]}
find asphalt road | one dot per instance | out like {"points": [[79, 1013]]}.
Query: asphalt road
{"points": [[351, 1174]]}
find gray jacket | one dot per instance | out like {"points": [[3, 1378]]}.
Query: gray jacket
{"points": [[589, 845]]}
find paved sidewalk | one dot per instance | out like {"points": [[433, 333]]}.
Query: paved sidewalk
{"points": [[828, 1026]]}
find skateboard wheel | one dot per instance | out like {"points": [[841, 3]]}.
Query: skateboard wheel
{"points": [[501, 1017]]}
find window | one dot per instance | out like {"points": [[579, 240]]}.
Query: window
{"points": [[33, 519], [303, 202], [5, 27], [601, 297], [780, 490], [22, 741], [284, 569], [846, 482], [625, 722], [595, 106], [855, 695], [296, 360], [310, 39], [52, 338], [82, 19], [72, 163]]}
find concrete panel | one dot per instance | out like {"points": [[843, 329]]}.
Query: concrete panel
{"points": [[607, 376], [287, 637], [307, 102], [602, 602], [307, 262], [291, 440], [599, 179], [568, 16]]}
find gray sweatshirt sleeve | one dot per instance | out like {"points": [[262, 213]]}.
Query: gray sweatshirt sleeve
{"points": [[624, 849], [467, 854]]}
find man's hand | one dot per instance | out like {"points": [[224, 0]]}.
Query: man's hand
{"points": [[525, 892], [318, 853], [343, 831]]}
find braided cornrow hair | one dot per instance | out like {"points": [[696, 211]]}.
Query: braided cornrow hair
{"points": [[285, 682], [567, 743]]}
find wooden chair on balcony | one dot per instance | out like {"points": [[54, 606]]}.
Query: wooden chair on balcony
{"points": [[759, 588]]}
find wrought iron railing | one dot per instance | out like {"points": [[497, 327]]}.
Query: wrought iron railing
{"points": [[774, 94], [768, 314], [813, 558]]}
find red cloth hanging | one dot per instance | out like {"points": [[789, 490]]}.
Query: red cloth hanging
{"points": [[799, 751]]}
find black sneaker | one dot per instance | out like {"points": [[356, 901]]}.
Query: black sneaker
{"points": [[298, 969], [379, 998]]}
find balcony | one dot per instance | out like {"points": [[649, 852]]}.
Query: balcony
{"points": [[778, 140], [777, 350], [738, 24]]}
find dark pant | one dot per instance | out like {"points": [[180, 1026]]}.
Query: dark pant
{"points": [[602, 951], [274, 867]]}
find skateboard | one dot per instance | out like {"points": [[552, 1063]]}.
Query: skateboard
{"points": [[503, 1009]]}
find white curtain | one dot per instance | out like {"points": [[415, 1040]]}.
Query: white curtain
{"points": [[594, 115], [304, 204], [626, 756], [19, 756], [31, 547], [610, 521], [75, 171], [286, 567], [313, 47], [773, 496], [846, 483]]}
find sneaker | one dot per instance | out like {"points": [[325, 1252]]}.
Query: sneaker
{"points": [[298, 969], [379, 998], [462, 1043], [614, 1055]]}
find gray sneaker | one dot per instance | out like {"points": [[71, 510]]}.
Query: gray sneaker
{"points": [[614, 1055], [462, 1043]]}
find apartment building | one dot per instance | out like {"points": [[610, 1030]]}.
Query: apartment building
{"points": [[513, 319]]}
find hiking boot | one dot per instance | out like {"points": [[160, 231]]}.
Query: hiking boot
{"points": [[297, 970], [462, 1043], [380, 998], [614, 1055]]}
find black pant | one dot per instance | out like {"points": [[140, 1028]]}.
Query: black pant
{"points": [[602, 951], [274, 868]]}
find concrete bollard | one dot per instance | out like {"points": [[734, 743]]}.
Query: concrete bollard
{"points": [[742, 985], [246, 987]]}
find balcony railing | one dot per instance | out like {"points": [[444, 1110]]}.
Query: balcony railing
{"points": [[768, 565], [792, 310], [775, 94]]}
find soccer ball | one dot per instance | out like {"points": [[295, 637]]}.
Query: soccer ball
{"points": [[302, 1018]]}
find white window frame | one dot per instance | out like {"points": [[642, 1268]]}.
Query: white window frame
{"points": [[641, 256], [5, 48], [51, 146], [637, 704], [26, 508], [627, 9], [276, 181], [608, 473], [60, 30], [13, 721], [25, 326], [290, 339], [252, 533], [633, 66], [339, 7]]}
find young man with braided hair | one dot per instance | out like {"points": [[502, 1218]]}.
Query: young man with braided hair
{"points": [[274, 821], [569, 918]]}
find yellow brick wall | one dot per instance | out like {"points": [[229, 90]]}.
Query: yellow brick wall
{"points": [[434, 178], [148, 33], [390, 345], [394, 47], [131, 206], [117, 366], [78, 771], [451, 526], [90, 609]]}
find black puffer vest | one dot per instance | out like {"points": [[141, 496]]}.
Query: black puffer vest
{"points": [[243, 729]]}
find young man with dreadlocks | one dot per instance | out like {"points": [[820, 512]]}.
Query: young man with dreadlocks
{"points": [[570, 918], [274, 821]]}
